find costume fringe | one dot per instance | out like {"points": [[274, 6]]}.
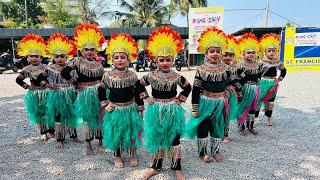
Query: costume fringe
{"points": [[249, 101], [121, 128], [87, 108], [164, 81], [120, 80], [268, 89], [163, 122], [215, 145], [215, 108], [175, 155], [35, 101], [59, 102]]}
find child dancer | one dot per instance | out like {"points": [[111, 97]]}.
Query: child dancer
{"points": [[269, 82], [33, 46], [210, 95], [60, 98], [230, 57], [250, 72], [122, 123], [164, 117], [88, 39]]}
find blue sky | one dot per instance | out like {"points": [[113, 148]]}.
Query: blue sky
{"points": [[304, 13]]}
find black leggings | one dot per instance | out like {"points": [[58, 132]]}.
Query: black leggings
{"points": [[268, 111], [157, 162], [204, 128]]}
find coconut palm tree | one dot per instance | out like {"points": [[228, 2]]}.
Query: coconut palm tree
{"points": [[183, 6], [139, 13]]}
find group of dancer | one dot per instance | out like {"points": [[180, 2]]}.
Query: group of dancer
{"points": [[109, 105]]}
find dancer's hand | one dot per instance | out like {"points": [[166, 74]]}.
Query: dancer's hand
{"points": [[51, 86], [150, 100], [110, 107], [177, 101], [195, 113], [141, 114]]}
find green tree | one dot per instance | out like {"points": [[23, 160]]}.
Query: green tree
{"points": [[139, 13], [88, 14], [15, 11], [182, 6], [61, 13]]}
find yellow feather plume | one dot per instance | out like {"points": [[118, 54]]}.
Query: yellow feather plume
{"points": [[249, 42], [211, 37], [269, 41], [164, 42], [232, 46], [32, 44], [60, 44], [122, 43], [88, 36]]}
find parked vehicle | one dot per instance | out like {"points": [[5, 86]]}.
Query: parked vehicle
{"points": [[179, 62], [7, 63], [141, 62]]}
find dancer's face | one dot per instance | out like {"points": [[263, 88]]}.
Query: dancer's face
{"points": [[271, 53], [228, 58], [120, 60], [34, 59], [214, 55], [249, 55], [165, 63], [60, 59], [89, 53]]}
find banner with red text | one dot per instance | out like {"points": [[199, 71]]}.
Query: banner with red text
{"points": [[199, 20]]}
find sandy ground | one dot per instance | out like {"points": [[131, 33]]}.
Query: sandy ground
{"points": [[288, 150]]}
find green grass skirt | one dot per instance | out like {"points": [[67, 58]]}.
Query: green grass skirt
{"points": [[233, 108], [87, 108], [208, 107], [121, 128], [35, 101], [60, 103], [265, 86], [163, 122]]}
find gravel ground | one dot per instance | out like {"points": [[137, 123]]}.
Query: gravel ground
{"points": [[288, 150]]}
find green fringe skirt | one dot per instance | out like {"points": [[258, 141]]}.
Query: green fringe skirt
{"points": [[60, 103], [35, 101], [163, 122], [233, 108], [265, 86], [121, 128], [214, 108], [87, 108]]}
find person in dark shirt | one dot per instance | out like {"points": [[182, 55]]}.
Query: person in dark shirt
{"points": [[121, 123], [210, 95], [61, 94], [33, 47], [249, 71], [269, 82], [88, 38], [230, 57], [164, 116]]}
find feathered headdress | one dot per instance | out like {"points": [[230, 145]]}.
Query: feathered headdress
{"points": [[122, 43], [268, 41], [232, 46], [249, 42], [32, 44], [164, 41], [211, 37], [88, 36], [60, 44]]}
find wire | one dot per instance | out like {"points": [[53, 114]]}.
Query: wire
{"points": [[276, 14], [244, 9], [246, 21]]}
